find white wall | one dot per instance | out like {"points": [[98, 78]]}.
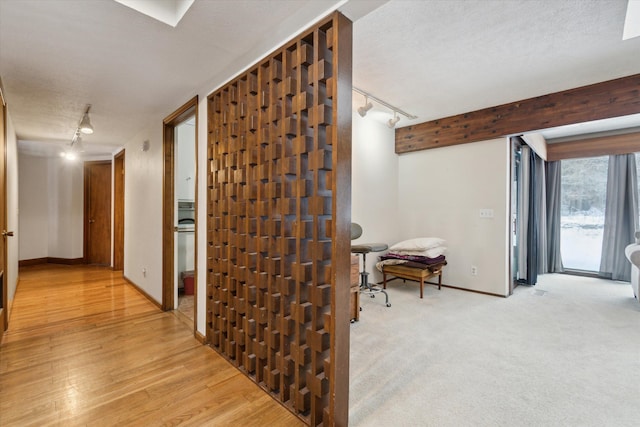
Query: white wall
{"points": [[538, 143], [13, 243], [51, 208], [143, 210], [66, 208], [441, 192], [34, 207], [374, 185]]}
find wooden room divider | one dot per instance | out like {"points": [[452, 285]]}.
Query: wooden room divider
{"points": [[279, 212]]}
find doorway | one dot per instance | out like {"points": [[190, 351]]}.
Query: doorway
{"points": [[184, 226], [97, 213], [179, 251]]}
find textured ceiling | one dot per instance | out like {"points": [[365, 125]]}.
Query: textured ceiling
{"points": [[431, 58], [56, 56], [435, 59]]}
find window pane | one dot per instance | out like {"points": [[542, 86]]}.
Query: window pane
{"points": [[584, 190]]}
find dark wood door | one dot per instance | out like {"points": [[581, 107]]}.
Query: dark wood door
{"points": [[3, 220], [97, 208]]}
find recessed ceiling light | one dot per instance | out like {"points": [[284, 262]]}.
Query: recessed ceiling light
{"points": [[169, 12], [632, 21]]}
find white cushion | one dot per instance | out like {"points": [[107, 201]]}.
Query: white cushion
{"points": [[430, 253], [418, 244]]}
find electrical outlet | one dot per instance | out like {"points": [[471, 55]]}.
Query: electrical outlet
{"points": [[486, 213], [474, 270]]}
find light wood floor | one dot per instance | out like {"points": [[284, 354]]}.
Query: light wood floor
{"points": [[85, 348]]}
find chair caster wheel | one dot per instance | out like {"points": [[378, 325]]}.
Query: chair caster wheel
{"points": [[360, 308], [372, 296], [353, 320], [388, 304]]}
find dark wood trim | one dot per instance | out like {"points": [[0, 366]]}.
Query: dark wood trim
{"points": [[201, 338], [182, 113], [4, 292], [118, 210], [33, 261], [613, 98], [65, 261], [168, 135], [596, 146], [341, 216], [187, 110], [50, 260], [142, 291]]}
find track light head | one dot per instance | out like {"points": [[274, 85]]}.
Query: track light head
{"points": [[77, 146], [85, 124], [392, 122], [365, 108]]}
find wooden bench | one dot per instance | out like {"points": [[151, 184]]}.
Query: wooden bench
{"points": [[417, 274]]}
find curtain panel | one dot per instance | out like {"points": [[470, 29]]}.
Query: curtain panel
{"points": [[621, 216], [554, 201]]}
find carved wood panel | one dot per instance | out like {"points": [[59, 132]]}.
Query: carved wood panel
{"points": [[277, 221]]}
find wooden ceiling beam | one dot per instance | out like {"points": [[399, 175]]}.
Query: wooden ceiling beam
{"points": [[613, 98]]}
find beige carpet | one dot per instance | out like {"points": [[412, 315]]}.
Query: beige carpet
{"points": [[564, 353]]}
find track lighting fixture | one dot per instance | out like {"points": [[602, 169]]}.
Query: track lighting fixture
{"points": [[77, 145], [366, 107], [392, 122], [85, 124]]}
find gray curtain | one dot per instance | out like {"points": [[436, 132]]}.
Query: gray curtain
{"points": [[621, 216], [531, 219], [553, 256], [522, 224], [539, 190]]}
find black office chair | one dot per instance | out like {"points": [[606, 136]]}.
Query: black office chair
{"points": [[363, 249]]}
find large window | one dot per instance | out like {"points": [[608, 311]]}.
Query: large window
{"points": [[584, 190]]}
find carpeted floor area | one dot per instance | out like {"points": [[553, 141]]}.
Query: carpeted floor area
{"points": [[564, 353]]}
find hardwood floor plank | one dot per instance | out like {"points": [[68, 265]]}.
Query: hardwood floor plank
{"points": [[85, 348]]}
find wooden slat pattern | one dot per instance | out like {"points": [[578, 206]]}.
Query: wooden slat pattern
{"points": [[612, 98], [597, 146], [84, 348], [278, 245]]}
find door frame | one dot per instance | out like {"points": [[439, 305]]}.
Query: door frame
{"points": [[4, 309], [86, 212], [512, 212], [118, 210], [189, 109]]}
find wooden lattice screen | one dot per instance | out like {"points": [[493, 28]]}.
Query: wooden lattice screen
{"points": [[279, 185]]}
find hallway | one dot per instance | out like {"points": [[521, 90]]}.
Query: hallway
{"points": [[85, 348]]}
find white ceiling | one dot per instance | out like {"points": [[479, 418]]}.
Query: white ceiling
{"points": [[431, 58]]}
